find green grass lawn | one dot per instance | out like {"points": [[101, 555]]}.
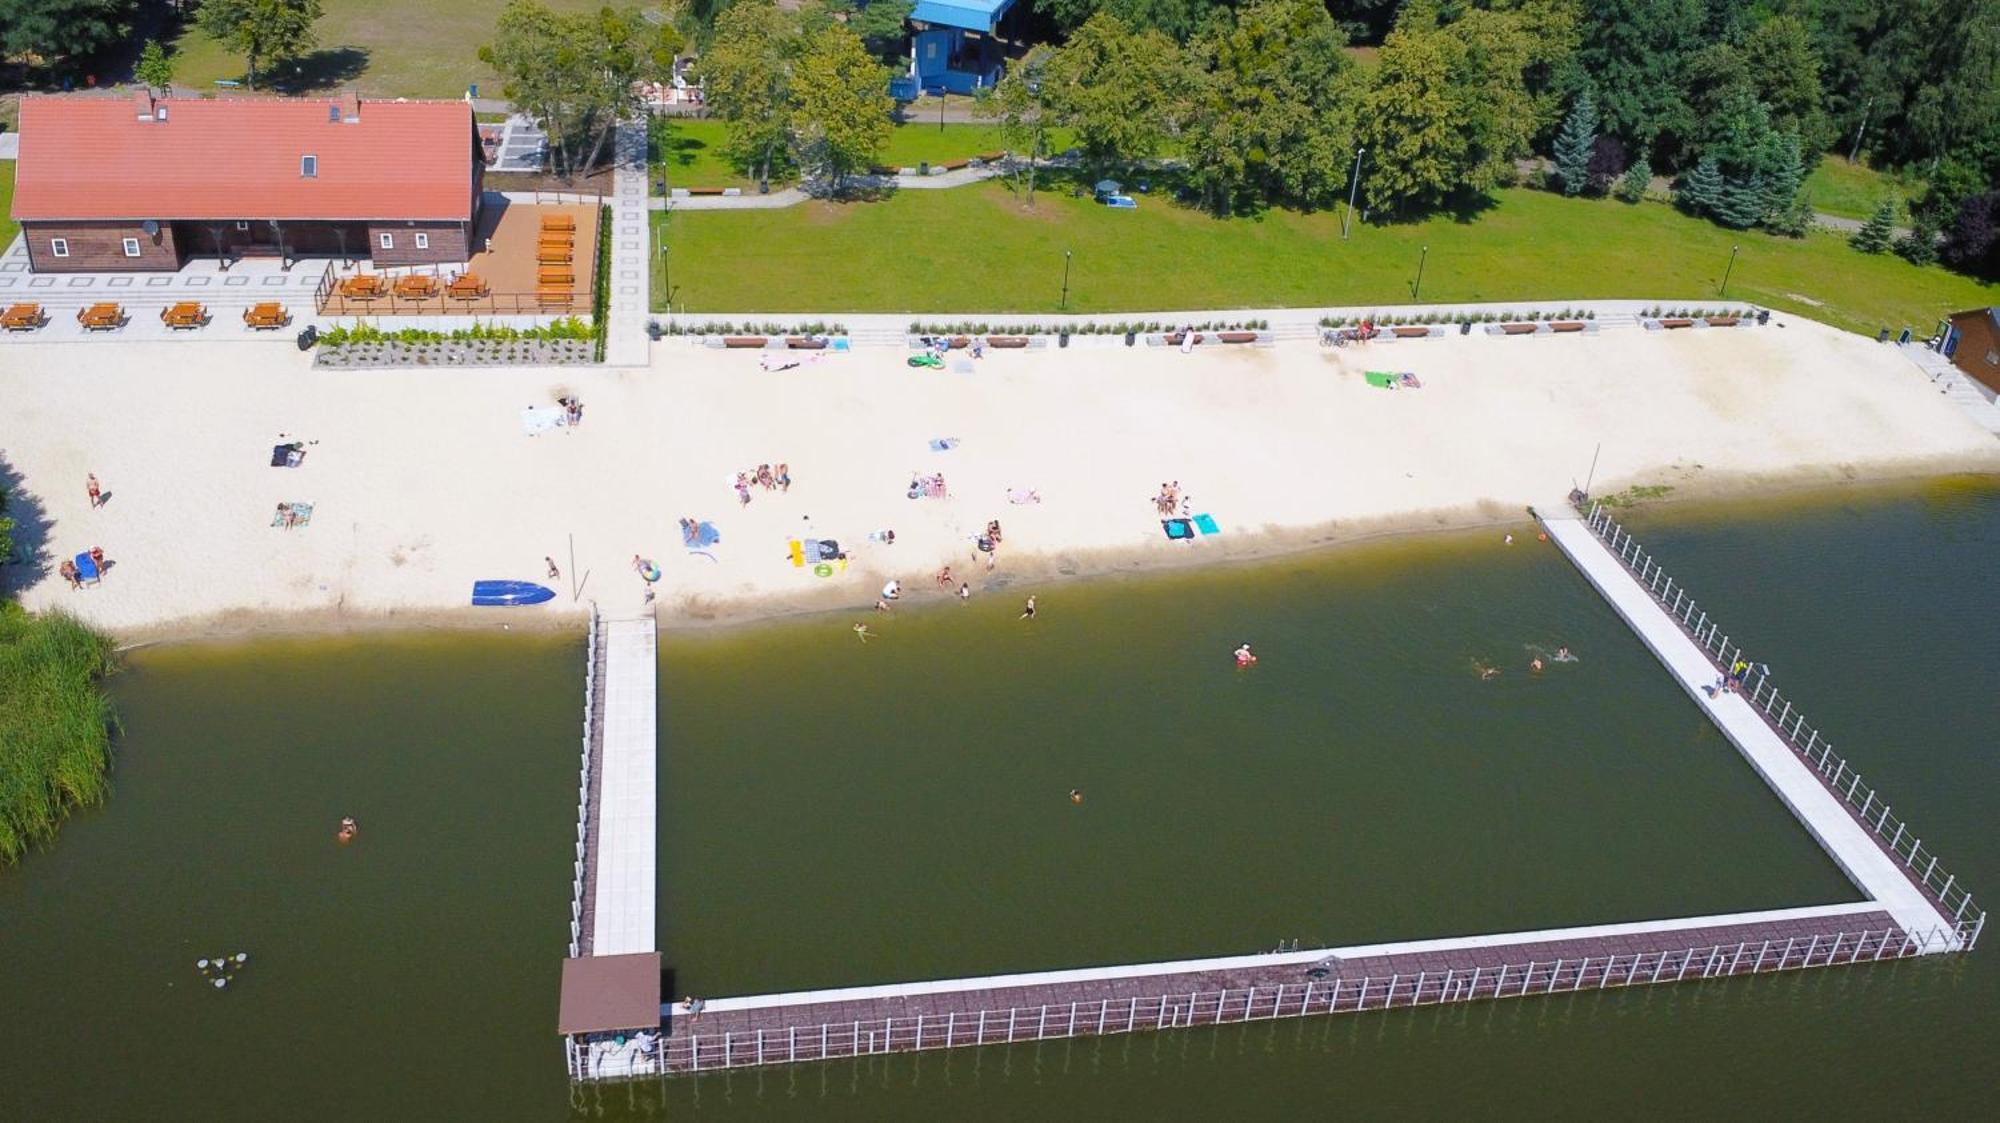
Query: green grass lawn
{"points": [[1837, 187], [382, 47], [8, 227], [977, 249], [694, 150]]}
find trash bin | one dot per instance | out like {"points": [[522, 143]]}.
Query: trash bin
{"points": [[308, 337], [1882, 336], [1763, 316], [1465, 327], [1131, 338], [1062, 339], [923, 167]]}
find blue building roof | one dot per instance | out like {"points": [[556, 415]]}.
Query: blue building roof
{"points": [[972, 15]]}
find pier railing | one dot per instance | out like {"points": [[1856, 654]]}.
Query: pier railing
{"points": [[1864, 802], [583, 789], [816, 1041]]}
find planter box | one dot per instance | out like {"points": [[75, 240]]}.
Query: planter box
{"points": [[802, 343], [744, 341], [1409, 332], [1237, 336], [1566, 325], [1723, 321], [1677, 323], [459, 353]]}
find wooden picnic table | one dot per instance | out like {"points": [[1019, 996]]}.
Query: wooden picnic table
{"points": [[101, 317], [417, 285], [363, 286], [265, 316], [554, 294], [561, 222], [186, 314], [22, 317], [466, 286], [547, 256], [556, 276]]}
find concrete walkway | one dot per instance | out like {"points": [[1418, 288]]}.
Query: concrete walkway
{"points": [[1850, 845], [793, 196], [625, 340], [625, 880]]}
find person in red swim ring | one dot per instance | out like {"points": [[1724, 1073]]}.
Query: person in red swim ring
{"points": [[1244, 658]]}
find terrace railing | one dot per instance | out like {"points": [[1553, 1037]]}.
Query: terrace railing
{"points": [[331, 302], [576, 895], [1865, 803], [702, 1052]]}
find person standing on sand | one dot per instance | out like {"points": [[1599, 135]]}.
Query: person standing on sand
{"points": [[1028, 613], [553, 571], [964, 592], [784, 477], [90, 485]]}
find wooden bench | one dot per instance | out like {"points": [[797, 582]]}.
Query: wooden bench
{"points": [[563, 277], [186, 314], [1409, 332], [1517, 329], [101, 317], [417, 285], [1237, 336], [743, 341], [466, 286], [266, 316], [1565, 325], [706, 190], [1723, 321], [365, 286], [554, 294], [804, 343], [558, 222], [1006, 341], [1677, 323], [547, 256], [23, 317]]}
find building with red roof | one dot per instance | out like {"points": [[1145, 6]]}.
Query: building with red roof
{"points": [[144, 184]]}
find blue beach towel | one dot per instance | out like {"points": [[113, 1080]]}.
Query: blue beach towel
{"points": [[1177, 529], [1206, 524], [944, 444]]}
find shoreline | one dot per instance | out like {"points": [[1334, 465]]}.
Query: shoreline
{"points": [[1808, 487]]}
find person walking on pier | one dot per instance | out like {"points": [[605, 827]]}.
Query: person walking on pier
{"points": [[694, 1007]]}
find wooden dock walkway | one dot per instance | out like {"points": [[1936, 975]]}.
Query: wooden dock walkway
{"points": [[624, 837]]}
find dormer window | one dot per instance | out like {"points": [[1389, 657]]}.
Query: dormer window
{"points": [[333, 115], [309, 167], [159, 113]]}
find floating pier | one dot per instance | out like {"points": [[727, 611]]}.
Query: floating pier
{"points": [[1913, 908], [610, 1009]]}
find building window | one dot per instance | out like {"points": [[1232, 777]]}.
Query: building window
{"points": [[387, 239], [309, 166], [131, 247], [59, 247], [333, 114], [159, 113], [242, 224], [423, 240]]}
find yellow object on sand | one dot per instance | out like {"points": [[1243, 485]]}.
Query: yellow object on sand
{"points": [[798, 554]]}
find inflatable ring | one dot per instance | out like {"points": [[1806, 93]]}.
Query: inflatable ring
{"points": [[650, 573], [822, 570]]}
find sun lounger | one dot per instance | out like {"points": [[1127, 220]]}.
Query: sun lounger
{"points": [[23, 317]]}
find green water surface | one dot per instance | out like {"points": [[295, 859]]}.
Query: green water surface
{"points": [[835, 813]]}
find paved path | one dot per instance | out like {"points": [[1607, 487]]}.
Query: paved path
{"points": [[1853, 847], [523, 145], [793, 196], [625, 342], [626, 838]]}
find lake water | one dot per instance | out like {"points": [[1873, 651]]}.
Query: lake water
{"points": [[837, 813]]}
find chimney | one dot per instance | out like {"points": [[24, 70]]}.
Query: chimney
{"points": [[350, 106], [142, 103]]}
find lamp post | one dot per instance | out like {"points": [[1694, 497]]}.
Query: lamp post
{"points": [[940, 110], [1065, 292], [1417, 285], [1353, 186], [1726, 270]]}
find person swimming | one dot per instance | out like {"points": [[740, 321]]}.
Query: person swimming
{"points": [[1485, 672], [1535, 664], [1076, 795], [347, 829], [1244, 657], [1563, 655]]}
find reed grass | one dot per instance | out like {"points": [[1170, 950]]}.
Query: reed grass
{"points": [[56, 723]]}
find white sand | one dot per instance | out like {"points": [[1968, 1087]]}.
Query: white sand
{"points": [[423, 481]]}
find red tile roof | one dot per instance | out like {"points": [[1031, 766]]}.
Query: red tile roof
{"points": [[93, 158]]}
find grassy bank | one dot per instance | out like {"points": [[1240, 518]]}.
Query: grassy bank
{"points": [[1837, 187], [8, 227], [55, 724], [693, 156], [978, 249]]}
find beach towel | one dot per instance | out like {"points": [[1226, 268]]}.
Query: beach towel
{"points": [[704, 534], [86, 569], [300, 514], [798, 554], [1206, 524], [289, 455], [943, 444], [536, 420], [1177, 529], [1022, 496], [1385, 379], [1409, 381]]}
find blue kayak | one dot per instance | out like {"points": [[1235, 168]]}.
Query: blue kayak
{"points": [[507, 594]]}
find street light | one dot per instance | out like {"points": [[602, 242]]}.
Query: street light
{"points": [[1065, 294], [1418, 284], [1354, 185], [1724, 290]]}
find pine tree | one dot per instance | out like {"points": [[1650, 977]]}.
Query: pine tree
{"points": [[1700, 190], [1919, 246], [1637, 178], [1874, 236], [1573, 145], [1783, 175], [1740, 204]]}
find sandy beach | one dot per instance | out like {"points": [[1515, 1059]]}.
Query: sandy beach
{"points": [[423, 480]]}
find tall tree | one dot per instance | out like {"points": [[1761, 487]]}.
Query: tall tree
{"points": [[747, 74], [1784, 69], [1972, 241], [269, 31], [840, 107], [577, 73], [48, 30], [155, 67], [1015, 103], [1574, 144], [1699, 190], [1119, 89], [1637, 53]]}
